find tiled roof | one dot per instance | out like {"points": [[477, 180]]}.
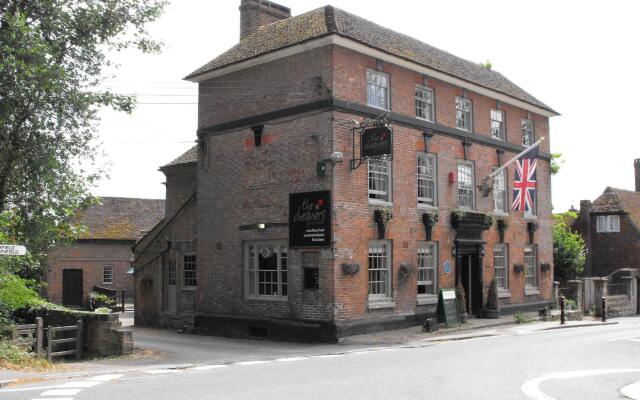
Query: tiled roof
{"points": [[189, 156], [619, 200], [331, 20], [119, 218]]}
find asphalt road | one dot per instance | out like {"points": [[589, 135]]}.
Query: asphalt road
{"points": [[518, 363]]}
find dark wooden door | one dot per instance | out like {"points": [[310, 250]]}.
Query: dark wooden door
{"points": [[472, 283], [72, 287]]}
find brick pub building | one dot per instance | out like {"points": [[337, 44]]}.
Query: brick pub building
{"points": [[275, 118]]}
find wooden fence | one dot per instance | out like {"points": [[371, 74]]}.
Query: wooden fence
{"points": [[52, 342], [33, 336], [30, 335]]}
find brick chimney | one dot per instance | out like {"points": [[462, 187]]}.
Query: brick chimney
{"points": [[636, 165], [257, 13]]}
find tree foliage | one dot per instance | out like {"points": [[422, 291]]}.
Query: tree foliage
{"points": [[53, 58], [569, 252]]}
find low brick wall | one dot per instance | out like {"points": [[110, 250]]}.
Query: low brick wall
{"points": [[620, 306]]}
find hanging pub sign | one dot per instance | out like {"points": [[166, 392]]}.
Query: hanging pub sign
{"points": [[376, 142], [310, 219]]}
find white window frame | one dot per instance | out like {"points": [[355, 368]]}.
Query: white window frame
{"points": [[374, 88], [531, 267], [501, 262], [109, 268], [189, 263], [425, 103], [470, 189], [464, 112], [528, 132], [500, 179], [379, 196], [423, 176], [498, 126], [252, 271], [381, 287], [608, 223], [427, 263]]}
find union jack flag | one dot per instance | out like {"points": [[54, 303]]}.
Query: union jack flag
{"points": [[524, 183]]}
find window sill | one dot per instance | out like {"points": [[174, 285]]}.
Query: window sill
{"points": [[377, 107], [530, 217], [504, 293], [427, 207], [427, 300], [425, 119], [191, 288], [380, 304], [500, 214], [531, 291], [268, 298], [375, 202]]}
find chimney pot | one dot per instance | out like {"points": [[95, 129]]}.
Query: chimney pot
{"points": [[257, 13]]}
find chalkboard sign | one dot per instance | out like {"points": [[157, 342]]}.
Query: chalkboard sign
{"points": [[376, 142], [448, 307], [310, 219]]}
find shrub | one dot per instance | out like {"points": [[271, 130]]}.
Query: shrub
{"points": [[102, 310], [15, 293], [16, 357]]}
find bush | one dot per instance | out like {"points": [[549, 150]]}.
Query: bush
{"points": [[16, 357], [15, 293], [102, 310]]}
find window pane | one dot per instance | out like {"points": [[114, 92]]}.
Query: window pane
{"points": [[500, 191], [465, 185], [497, 124], [527, 132], [426, 177], [424, 103], [531, 276], [377, 89], [378, 270], [500, 262], [427, 269], [189, 270], [463, 113], [379, 180]]}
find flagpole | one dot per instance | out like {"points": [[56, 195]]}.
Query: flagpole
{"points": [[497, 171]]}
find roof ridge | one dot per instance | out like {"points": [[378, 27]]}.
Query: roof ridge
{"points": [[330, 19]]}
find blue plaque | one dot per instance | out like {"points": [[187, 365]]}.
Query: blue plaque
{"points": [[447, 267]]}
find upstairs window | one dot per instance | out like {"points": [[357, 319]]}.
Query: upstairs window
{"points": [[424, 103], [380, 181], [500, 265], [500, 191], [466, 184], [528, 137], [497, 124], [608, 223], [464, 114], [377, 89], [427, 188]]}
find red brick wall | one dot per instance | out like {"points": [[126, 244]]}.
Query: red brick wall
{"points": [[612, 251], [90, 258]]}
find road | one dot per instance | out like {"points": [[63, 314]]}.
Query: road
{"points": [[598, 362]]}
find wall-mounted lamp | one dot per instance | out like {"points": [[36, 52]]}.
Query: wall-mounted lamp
{"points": [[261, 227], [321, 166]]}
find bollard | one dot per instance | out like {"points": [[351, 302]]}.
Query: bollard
{"points": [[603, 312], [562, 316]]}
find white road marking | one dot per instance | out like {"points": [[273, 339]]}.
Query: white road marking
{"points": [[326, 356], [56, 398], [105, 378], [29, 389], [61, 392], [208, 367], [80, 384], [635, 338], [531, 387], [361, 352], [632, 391], [251, 362], [288, 359], [163, 371]]}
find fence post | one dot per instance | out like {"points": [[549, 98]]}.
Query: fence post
{"points": [[576, 291], [562, 316], [14, 333], [599, 291], [604, 309], [123, 300], [39, 334], [79, 340], [50, 334]]}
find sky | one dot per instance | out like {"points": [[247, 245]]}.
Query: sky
{"points": [[579, 57]]}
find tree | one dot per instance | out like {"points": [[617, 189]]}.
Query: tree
{"points": [[569, 253], [53, 54]]}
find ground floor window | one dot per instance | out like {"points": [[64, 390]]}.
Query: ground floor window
{"points": [[530, 267], [379, 270], [427, 269], [500, 265], [189, 267], [266, 269], [107, 274]]}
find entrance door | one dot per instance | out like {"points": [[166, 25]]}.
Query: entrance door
{"points": [[72, 287], [472, 283], [170, 286]]}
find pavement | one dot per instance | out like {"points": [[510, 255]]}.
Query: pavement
{"points": [[581, 360], [160, 349]]}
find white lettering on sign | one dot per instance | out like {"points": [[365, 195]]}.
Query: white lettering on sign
{"points": [[448, 294], [12, 250]]}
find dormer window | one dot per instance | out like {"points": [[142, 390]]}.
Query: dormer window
{"points": [[608, 223]]}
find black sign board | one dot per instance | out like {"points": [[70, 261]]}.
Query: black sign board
{"points": [[448, 307], [376, 142], [310, 219]]}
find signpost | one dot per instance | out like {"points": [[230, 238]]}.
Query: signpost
{"points": [[310, 219], [448, 311], [12, 250]]}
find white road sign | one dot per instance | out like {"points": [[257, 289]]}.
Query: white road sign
{"points": [[12, 250]]}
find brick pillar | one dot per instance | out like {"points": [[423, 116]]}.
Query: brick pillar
{"points": [[632, 291], [588, 294], [576, 288], [599, 291]]}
